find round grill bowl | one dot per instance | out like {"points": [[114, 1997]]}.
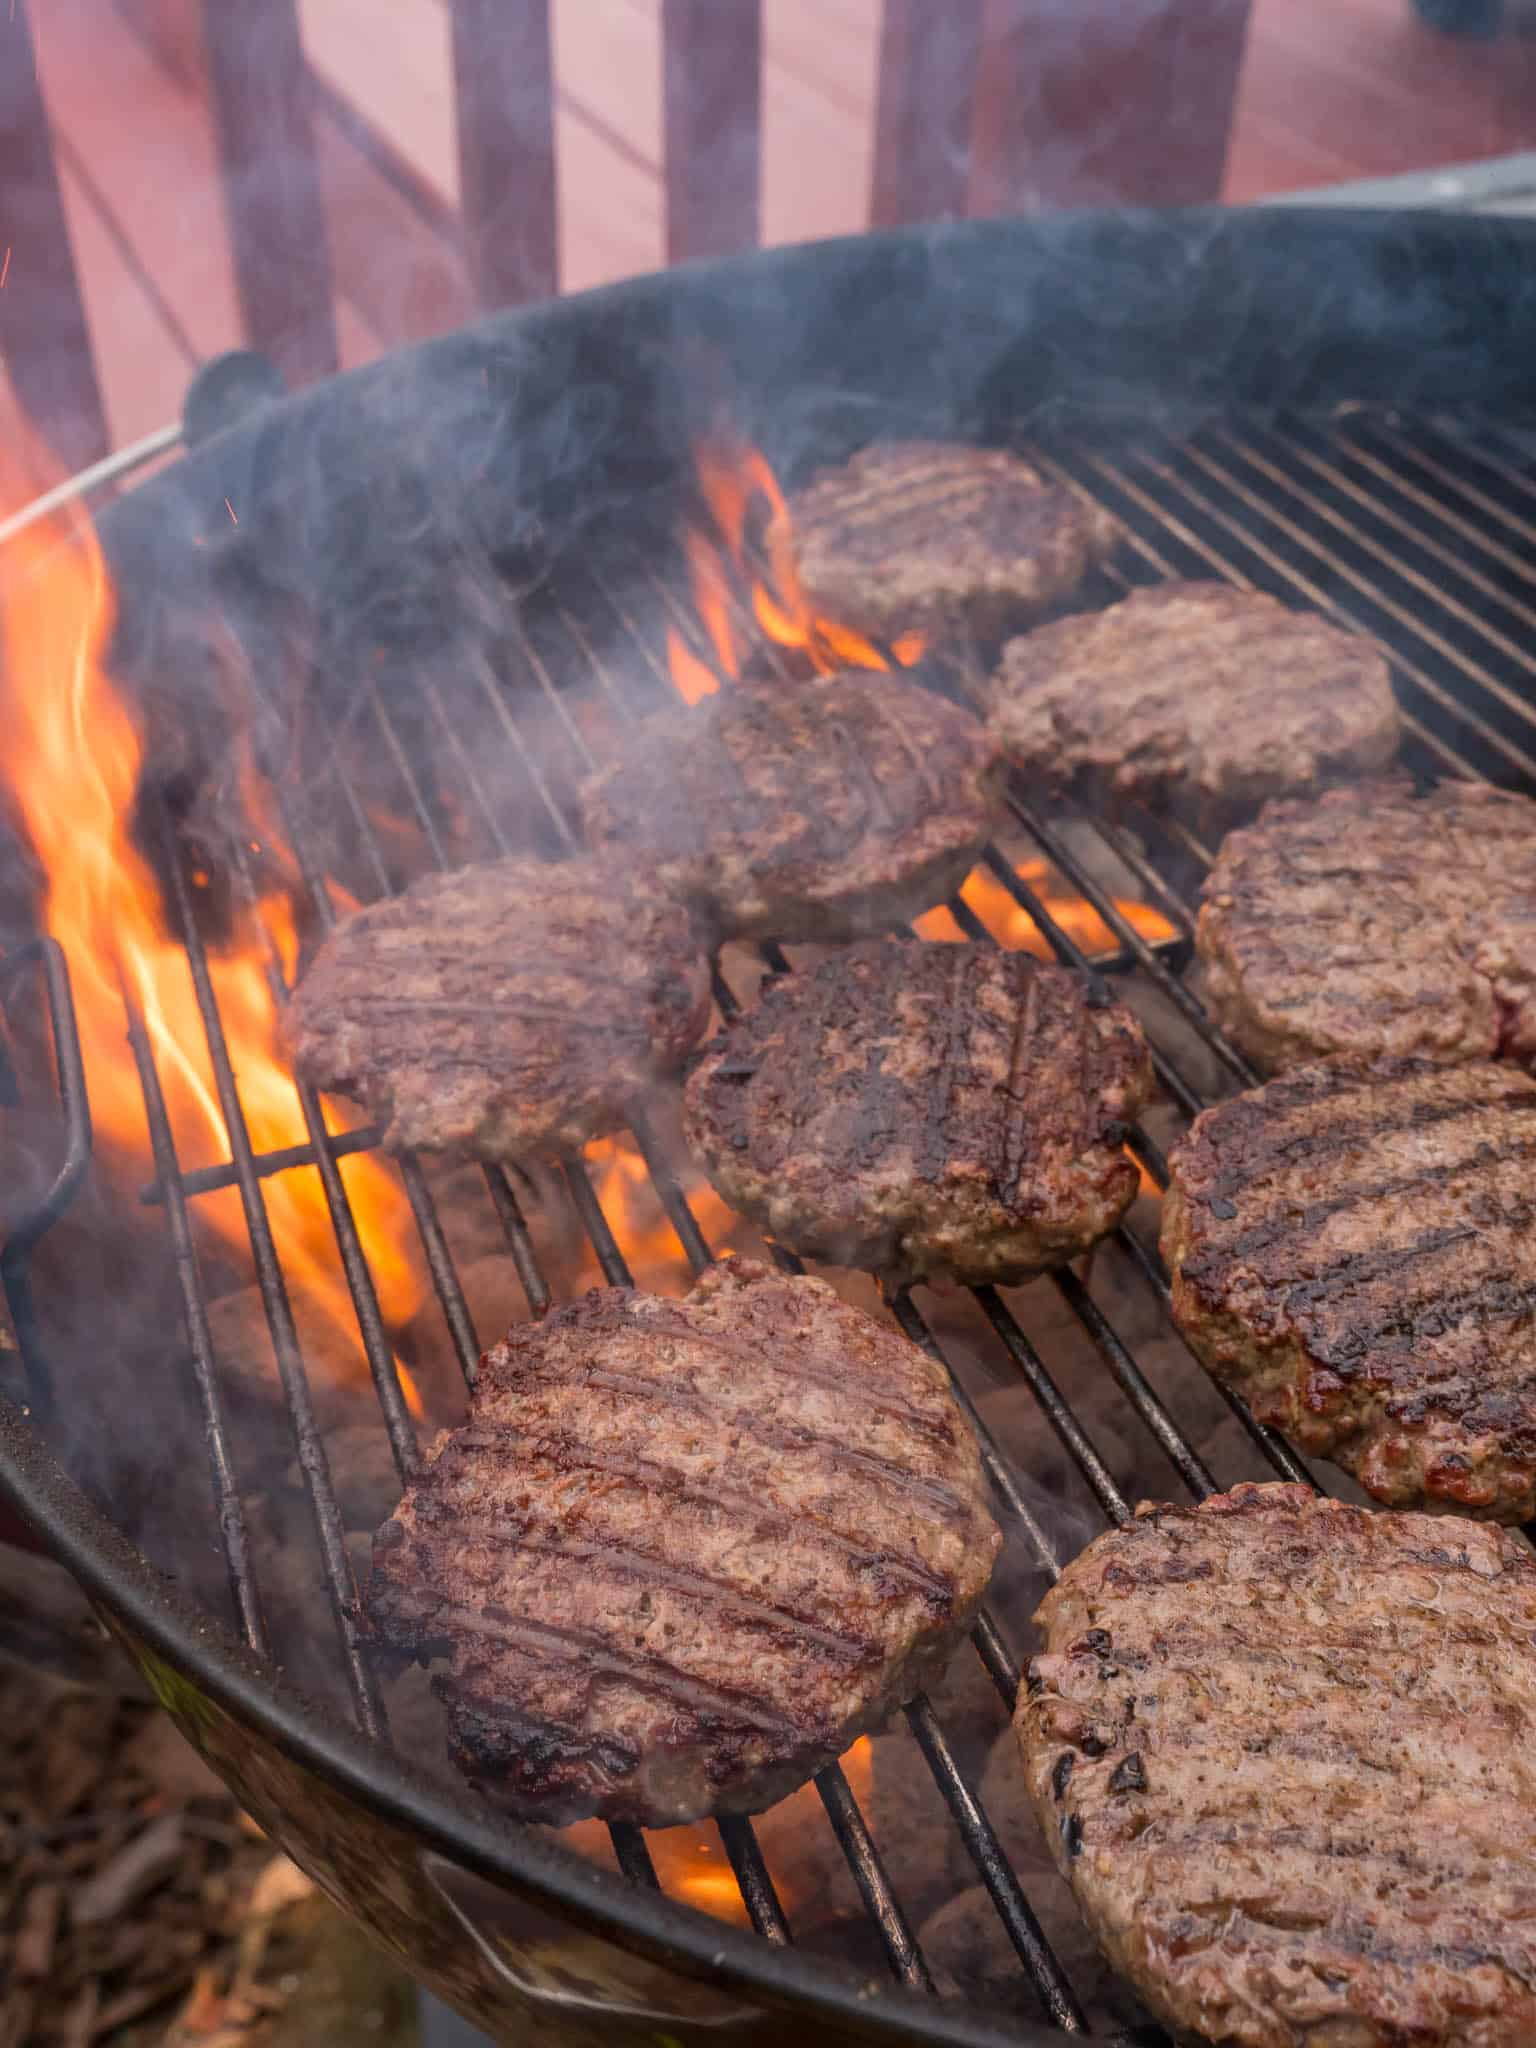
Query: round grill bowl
{"points": [[571, 423]]}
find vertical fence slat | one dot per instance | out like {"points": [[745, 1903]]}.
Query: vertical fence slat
{"points": [[259, 84], [712, 66], [1101, 102], [43, 329], [929, 60], [504, 85]]}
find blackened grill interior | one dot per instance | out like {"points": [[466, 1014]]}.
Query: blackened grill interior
{"points": [[1421, 536]]}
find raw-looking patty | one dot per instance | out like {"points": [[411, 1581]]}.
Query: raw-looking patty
{"points": [[1353, 1247], [1195, 696], [937, 537], [504, 1010], [813, 811], [1281, 1750], [683, 1552], [1373, 921], [925, 1108]]}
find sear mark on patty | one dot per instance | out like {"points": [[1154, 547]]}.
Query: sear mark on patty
{"points": [[683, 1552], [1195, 697], [936, 537], [808, 811], [1353, 1248], [925, 1108], [1310, 1821], [504, 1010], [1371, 920]]}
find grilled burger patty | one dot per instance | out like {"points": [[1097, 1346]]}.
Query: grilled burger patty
{"points": [[936, 537], [1280, 1749], [819, 810], [1371, 920], [1193, 695], [503, 1010], [683, 1552], [1353, 1247], [925, 1108]]}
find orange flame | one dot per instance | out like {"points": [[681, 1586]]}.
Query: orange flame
{"points": [[749, 550], [1011, 925], [622, 1182], [691, 1861], [72, 760]]}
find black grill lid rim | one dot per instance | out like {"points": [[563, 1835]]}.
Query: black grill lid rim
{"points": [[1074, 321]]}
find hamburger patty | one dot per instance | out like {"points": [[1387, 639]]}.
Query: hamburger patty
{"points": [[1279, 1747], [1371, 920], [813, 811], [923, 1109], [1193, 695], [936, 537], [683, 1552], [1353, 1247], [502, 1010]]}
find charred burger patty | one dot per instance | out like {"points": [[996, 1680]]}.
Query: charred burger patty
{"points": [[1280, 1748], [925, 1108], [503, 1010], [1374, 921], [938, 538], [683, 1552], [1353, 1247], [1193, 695], [820, 810]]}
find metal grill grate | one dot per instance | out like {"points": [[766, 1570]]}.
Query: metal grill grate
{"points": [[1423, 537]]}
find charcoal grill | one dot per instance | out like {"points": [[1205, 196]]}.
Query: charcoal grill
{"points": [[1336, 410]]}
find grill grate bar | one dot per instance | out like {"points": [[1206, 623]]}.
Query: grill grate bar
{"points": [[204, 1180], [995, 1871], [1269, 1441], [1059, 854], [880, 1901], [341, 1585], [1166, 519], [509, 1213], [998, 1470], [1241, 453], [511, 732], [1058, 1411], [382, 1363], [464, 764], [752, 1878], [684, 1224], [1459, 710], [1351, 454], [633, 1857], [233, 1535], [1128, 1376], [1449, 473]]}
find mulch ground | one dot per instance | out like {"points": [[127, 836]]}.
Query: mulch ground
{"points": [[139, 1906]]}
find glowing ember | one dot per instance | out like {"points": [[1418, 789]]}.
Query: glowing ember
{"points": [[72, 763]]}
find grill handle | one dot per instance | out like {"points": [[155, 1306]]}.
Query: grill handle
{"points": [[228, 389]]}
